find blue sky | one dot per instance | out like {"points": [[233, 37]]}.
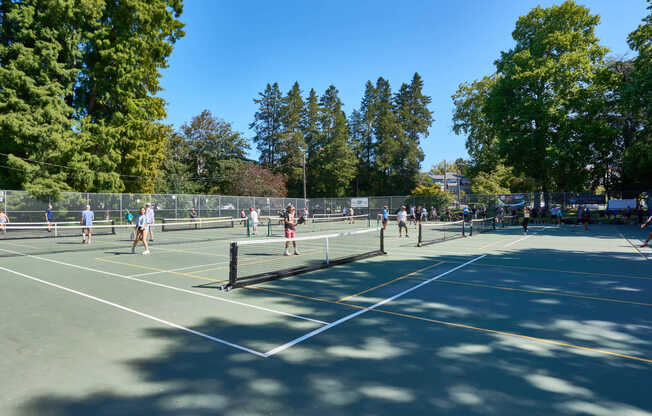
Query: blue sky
{"points": [[233, 49]]}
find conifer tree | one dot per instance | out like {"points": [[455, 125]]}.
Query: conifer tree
{"points": [[267, 125]]}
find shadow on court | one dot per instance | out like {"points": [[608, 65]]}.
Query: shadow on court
{"points": [[526, 331]]}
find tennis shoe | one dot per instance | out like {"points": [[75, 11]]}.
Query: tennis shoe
{"points": [[287, 253], [296, 252], [133, 251], [146, 252]]}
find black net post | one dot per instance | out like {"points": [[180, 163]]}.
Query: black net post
{"points": [[463, 228], [233, 265], [420, 235], [382, 241], [163, 226]]}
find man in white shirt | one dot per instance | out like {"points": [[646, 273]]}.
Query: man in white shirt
{"points": [[149, 214], [401, 217], [253, 219]]}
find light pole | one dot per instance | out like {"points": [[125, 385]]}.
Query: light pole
{"points": [[304, 178]]}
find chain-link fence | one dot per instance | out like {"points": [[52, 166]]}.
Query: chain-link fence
{"points": [[20, 206]]}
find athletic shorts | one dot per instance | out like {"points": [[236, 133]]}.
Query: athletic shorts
{"points": [[289, 233], [402, 224], [384, 221]]}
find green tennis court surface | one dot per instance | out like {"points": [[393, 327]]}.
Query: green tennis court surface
{"points": [[555, 322]]}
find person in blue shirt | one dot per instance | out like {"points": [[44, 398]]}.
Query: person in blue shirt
{"points": [[142, 225], [385, 219], [129, 218], [48, 217], [87, 223]]}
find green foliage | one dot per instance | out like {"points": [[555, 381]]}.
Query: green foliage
{"points": [[77, 104], [498, 181], [333, 161], [213, 151], [470, 118], [292, 145], [267, 125], [538, 104], [432, 196]]}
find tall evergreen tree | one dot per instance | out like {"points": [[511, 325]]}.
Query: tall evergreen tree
{"points": [[268, 125], [39, 66], [125, 49], [292, 144], [411, 108], [311, 134], [390, 137], [362, 139], [333, 164]]}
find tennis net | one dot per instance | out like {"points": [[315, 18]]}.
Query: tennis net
{"points": [[509, 220], [276, 226], [178, 224], [482, 225], [19, 231], [256, 261], [435, 232], [113, 238]]}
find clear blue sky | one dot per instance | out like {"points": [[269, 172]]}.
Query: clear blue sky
{"points": [[233, 49]]}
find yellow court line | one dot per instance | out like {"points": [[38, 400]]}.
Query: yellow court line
{"points": [[542, 269], [569, 295], [634, 247], [20, 245], [464, 326], [405, 276], [189, 251], [502, 240], [138, 266]]}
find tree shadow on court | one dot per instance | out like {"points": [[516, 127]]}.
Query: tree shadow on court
{"points": [[444, 348]]}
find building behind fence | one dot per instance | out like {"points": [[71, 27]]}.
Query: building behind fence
{"points": [[20, 206]]}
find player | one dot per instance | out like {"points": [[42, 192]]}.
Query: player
{"points": [[4, 220], [87, 218], [48, 217], [413, 218], [253, 218], [351, 214], [142, 225], [526, 218], [645, 224], [193, 215], [402, 219], [129, 218], [500, 212], [385, 216], [586, 218], [149, 212], [290, 230]]}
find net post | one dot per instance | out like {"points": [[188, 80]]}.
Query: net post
{"points": [[162, 226], [463, 228], [233, 264], [420, 236], [382, 241], [269, 227], [327, 259], [493, 224], [233, 223], [471, 230], [56, 231], [248, 228], [113, 227]]}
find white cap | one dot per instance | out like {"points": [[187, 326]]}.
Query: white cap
{"points": [[88, 207]]}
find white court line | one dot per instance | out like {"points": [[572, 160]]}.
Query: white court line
{"points": [[177, 270], [360, 312], [524, 238], [142, 314], [178, 289]]}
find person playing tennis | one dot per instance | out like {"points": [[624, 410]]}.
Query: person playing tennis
{"points": [[142, 224], [149, 212], [402, 219], [48, 217], [645, 224], [4, 220], [253, 218], [526, 218], [385, 216], [87, 223], [290, 230]]}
